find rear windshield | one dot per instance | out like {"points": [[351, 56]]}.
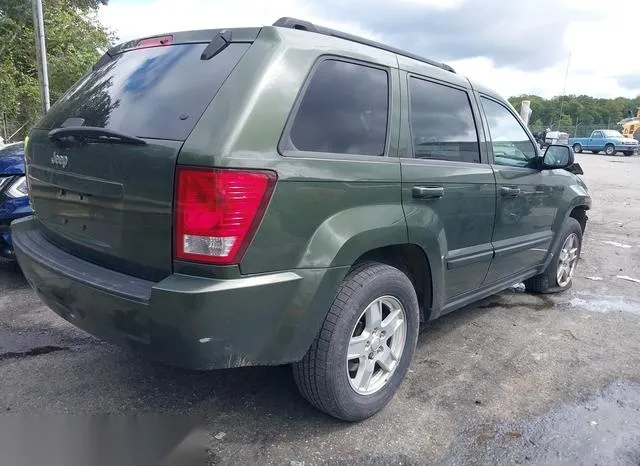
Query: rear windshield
{"points": [[158, 92]]}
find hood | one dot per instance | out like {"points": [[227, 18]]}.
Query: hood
{"points": [[12, 159]]}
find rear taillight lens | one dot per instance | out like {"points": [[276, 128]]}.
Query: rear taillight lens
{"points": [[26, 166], [217, 212]]}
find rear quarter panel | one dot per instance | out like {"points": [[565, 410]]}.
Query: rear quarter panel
{"points": [[327, 209], [581, 141]]}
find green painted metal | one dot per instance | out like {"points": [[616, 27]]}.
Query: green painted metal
{"points": [[326, 211]]}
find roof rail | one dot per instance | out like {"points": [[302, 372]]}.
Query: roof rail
{"points": [[293, 23]]}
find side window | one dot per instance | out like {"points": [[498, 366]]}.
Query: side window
{"points": [[344, 110], [596, 134], [442, 124], [511, 145]]}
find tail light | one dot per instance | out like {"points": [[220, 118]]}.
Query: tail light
{"points": [[154, 42], [217, 212], [26, 165]]}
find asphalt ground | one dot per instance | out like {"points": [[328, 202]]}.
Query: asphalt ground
{"points": [[516, 378]]}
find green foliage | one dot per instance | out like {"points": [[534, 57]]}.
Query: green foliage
{"points": [[565, 120], [74, 39], [581, 112]]}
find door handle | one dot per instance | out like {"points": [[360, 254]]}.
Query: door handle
{"points": [[509, 192], [424, 192]]}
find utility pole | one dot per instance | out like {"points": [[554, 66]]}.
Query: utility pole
{"points": [[525, 111], [564, 90], [41, 54], [4, 125]]}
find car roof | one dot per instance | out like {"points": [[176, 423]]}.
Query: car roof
{"points": [[482, 89]]}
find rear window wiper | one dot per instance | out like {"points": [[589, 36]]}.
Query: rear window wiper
{"points": [[93, 134]]}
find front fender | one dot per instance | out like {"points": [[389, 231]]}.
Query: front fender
{"points": [[579, 196], [345, 236], [576, 195]]}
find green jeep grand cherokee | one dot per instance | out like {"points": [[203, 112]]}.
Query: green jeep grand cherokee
{"points": [[288, 194]]}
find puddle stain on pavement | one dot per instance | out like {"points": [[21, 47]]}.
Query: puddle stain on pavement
{"points": [[603, 429], [604, 303]]}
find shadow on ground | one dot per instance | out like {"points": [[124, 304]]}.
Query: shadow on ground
{"points": [[12, 278]]}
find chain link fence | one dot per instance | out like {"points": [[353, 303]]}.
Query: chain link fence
{"points": [[578, 131]]}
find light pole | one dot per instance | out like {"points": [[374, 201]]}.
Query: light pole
{"points": [[564, 90], [41, 54]]}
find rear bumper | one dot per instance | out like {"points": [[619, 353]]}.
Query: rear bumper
{"points": [[185, 321]]}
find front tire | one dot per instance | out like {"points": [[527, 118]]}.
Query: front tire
{"points": [[364, 348], [558, 276], [609, 149], [577, 148]]}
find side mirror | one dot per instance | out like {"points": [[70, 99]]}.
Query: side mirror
{"points": [[557, 156]]}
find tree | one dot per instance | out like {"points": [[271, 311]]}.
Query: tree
{"points": [[585, 111], [75, 39], [565, 121]]}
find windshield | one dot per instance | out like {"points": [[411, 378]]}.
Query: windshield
{"points": [[609, 133]]}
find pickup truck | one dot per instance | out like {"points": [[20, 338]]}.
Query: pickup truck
{"points": [[607, 140]]}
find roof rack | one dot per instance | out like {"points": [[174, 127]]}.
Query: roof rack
{"points": [[293, 23]]}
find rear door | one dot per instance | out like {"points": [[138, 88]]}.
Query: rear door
{"points": [[109, 199], [525, 203], [448, 190]]}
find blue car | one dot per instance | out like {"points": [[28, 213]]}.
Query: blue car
{"points": [[14, 200]]}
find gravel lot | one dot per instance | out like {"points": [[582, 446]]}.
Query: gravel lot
{"points": [[516, 378]]}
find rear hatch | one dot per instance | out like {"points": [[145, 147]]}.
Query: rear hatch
{"points": [[101, 163]]}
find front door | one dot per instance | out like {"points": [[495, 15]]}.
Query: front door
{"points": [[448, 192], [525, 212], [596, 141]]}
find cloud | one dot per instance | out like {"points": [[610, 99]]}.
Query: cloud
{"points": [[135, 19], [514, 47], [524, 35], [630, 81]]}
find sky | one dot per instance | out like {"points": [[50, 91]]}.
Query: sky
{"points": [[513, 46]]}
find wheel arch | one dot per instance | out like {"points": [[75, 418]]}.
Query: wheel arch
{"points": [[579, 212], [412, 260], [576, 210]]}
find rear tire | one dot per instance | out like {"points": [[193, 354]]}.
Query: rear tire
{"points": [[610, 149], [577, 148], [628, 153], [566, 255], [338, 384]]}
